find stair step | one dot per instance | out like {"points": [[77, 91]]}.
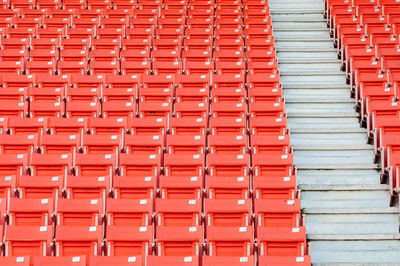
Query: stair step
{"points": [[337, 166]]}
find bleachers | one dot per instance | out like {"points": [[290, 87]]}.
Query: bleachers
{"points": [[145, 133], [366, 35]]}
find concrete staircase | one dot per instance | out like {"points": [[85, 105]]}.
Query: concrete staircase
{"points": [[348, 217]]}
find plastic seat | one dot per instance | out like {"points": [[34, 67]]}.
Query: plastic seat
{"points": [[28, 240], [139, 165], [181, 187], [284, 260], [191, 109], [101, 144], [104, 67], [30, 212], [225, 261], [53, 261], [14, 109], [157, 94], [173, 260], [67, 126], [227, 213], [270, 94], [228, 109], [230, 241], [47, 187], [129, 241], [265, 126], [188, 126], [13, 164], [277, 213], [47, 96], [79, 212], [117, 261], [18, 144], [176, 144], [228, 94], [107, 126], [78, 240], [119, 96], [228, 144], [82, 109], [149, 126], [77, 44], [274, 187], [56, 144], [99, 164], [155, 109], [132, 212], [184, 165], [37, 67], [12, 261], [7, 186], [227, 187], [40, 109], [84, 82], [134, 144], [178, 213], [87, 187], [179, 240], [272, 164], [281, 241], [228, 165], [134, 67], [26, 126], [50, 164], [136, 187]]}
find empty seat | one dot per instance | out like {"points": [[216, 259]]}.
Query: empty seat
{"points": [[67, 126], [18, 144], [139, 165], [7, 185], [53, 261], [87, 187], [137, 187], [230, 241], [148, 126], [177, 144], [188, 126], [94, 164], [33, 187], [277, 213], [231, 261], [108, 126], [228, 144], [134, 144], [101, 144], [181, 187], [31, 212], [284, 260], [227, 187], [129, 212], [28, 240], [173, 260], [179, 240], [228, 212], [281, 241], [228, 165], [78, 240], [56, 144], [129, 241], [50, 164], [184, 165], [26, 126], [117, 261], [11, 261], [13, 164], [80, 212], [274, 187], [171, 212]]}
